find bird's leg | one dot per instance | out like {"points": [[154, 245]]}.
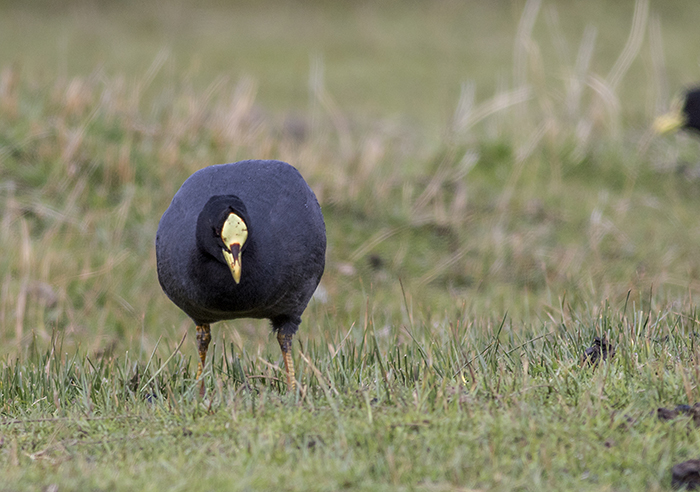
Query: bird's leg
{"points": [[285, 341], [203, 339]]}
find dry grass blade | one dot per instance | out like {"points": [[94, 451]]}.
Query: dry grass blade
{"points": [[466, 117], [577, 82], [523, 40], [522, 155], [632, 46], [379, 237], [163, 365]]}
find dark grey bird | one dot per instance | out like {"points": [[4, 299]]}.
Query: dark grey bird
{"points": [[243, 240], [684, 114]]}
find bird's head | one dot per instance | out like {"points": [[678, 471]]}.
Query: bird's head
{"points": [[222, 231], [684, 113]]}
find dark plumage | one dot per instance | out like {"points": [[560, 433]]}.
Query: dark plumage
{"points": [[278, 247], [685, 114]]}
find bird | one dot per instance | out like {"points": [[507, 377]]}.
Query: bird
{"points": [[684, 114], [242, 240]]}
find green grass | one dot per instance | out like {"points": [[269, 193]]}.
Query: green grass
{"points": [[493, 201], [474, 405]]}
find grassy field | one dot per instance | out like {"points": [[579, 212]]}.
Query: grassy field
{"points": [[493, 199]]}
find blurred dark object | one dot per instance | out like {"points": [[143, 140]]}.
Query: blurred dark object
{"points": [[600, 350], [668, 414], [375, 262], [686, 474]]}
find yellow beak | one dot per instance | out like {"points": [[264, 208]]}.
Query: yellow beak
{"points": [[672, 120], [234, 234], [233, 260], [669, 122]]}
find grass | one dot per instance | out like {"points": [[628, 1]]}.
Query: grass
{"points": [[478, 241], [483, 406]]}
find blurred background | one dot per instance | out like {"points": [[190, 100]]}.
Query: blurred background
{"points": [[472, 158]]}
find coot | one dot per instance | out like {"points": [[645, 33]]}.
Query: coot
{"points": [[243, 240]]}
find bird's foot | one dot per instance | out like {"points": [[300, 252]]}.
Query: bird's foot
{"points": [[203, 339], [285, 341]]}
